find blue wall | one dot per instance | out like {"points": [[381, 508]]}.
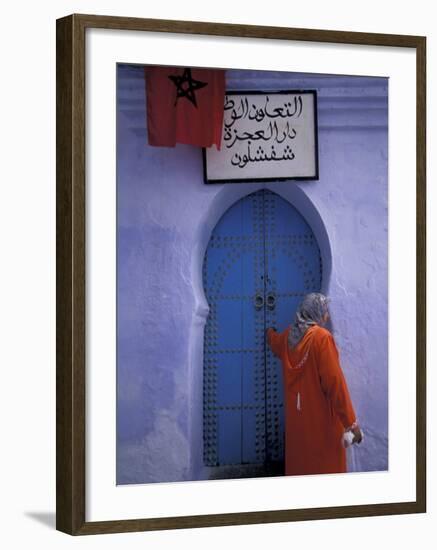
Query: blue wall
{"points": [[165, 217]]}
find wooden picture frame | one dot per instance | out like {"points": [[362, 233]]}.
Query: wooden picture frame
{"points": [[71, 413]]}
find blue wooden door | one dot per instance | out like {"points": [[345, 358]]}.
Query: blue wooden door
{"points": [[261, 260]]}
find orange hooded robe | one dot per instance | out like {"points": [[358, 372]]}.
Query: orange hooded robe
{"points": [[318, 408]]}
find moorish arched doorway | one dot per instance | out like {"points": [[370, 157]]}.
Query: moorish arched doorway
{"points": [[262, 258]]}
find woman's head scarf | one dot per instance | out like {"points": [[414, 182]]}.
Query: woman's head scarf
{"points": [[311, 311]]}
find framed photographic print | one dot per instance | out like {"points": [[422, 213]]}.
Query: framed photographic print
{"points": [[240, 274]]}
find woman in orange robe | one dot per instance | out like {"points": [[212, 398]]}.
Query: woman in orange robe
{"points": [[318, 408]]}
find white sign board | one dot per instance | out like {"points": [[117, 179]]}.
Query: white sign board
{"points": [[266, 136]]}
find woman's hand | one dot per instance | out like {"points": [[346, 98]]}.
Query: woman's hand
{"points": [[352, 435], [358, 435]]}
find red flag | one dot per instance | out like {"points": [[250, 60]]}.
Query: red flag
{"points": [[184, 105]]}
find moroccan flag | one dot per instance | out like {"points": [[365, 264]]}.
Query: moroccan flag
{"points": [[184, 105]]}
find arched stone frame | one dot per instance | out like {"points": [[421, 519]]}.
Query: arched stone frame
{"points": [[223, 200]]}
